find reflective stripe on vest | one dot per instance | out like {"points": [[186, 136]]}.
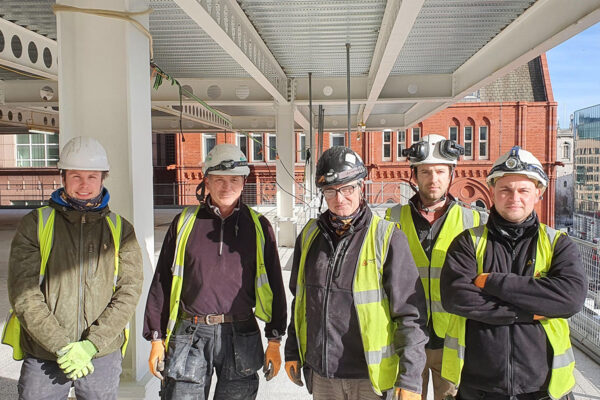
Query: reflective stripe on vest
{"points": [[562, 379], [12, 330], [372, 305], [262, 291], [457, 220]]}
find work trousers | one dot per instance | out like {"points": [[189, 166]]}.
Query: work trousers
{"points": [[441, 387], [465, 393], [344, 389], [44, 380], [233, 350]]}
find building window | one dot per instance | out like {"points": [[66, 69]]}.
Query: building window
{"points": [[386, 153], [257, 147], [400, 144], [209, 141], [469, 142], [302, 150], [37, 150], [483, 142], [242, 142], [566, 151], [272, 147], [338, 139], [416, 135], [565, 184], [453, 133]]}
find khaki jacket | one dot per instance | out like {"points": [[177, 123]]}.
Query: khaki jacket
{"points": [[76, 299]]}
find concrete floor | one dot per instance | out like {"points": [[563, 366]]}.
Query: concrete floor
{"points": [[587, 373]]}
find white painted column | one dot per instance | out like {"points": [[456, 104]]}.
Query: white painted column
{"points": [[104, 85], [286, 148]]}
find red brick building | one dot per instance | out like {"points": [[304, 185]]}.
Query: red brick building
{"points": [[518, 109]]}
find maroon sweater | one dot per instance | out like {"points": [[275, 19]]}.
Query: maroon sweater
{"points": [[219, 272]]}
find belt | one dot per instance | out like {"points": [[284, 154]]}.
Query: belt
{"points": [[210, 319]]}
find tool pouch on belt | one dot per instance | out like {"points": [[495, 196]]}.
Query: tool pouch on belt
{"points": [[248, 350], [185, 359]]}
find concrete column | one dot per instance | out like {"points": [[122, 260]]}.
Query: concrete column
{"points": [[286, 149], [104, 85]]}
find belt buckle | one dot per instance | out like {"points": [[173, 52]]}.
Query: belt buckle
{"points": [[207, 319]]}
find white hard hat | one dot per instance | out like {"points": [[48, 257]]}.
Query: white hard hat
{"points": [[83, 153], [433, 149], [518, 162], [226, 159]]}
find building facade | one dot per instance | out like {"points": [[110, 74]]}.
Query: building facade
{"points": [[586, 216], [518, 109], [564, 178]]}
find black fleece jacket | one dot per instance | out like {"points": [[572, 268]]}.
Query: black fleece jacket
{"points": [[507, 351], [336, 349]]}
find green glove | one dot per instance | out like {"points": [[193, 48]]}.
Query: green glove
{"points": [[75, 359]]}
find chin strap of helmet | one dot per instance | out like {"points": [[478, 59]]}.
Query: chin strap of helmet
{"points": [[200, 196]]}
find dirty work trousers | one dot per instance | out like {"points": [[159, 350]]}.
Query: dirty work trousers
{"points": [[44, 380], [233, 350]]}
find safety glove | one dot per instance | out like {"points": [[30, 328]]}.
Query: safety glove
{"points": [[157, 357], [75, 359], [403, 394], [293, 371], [272, 360], [480, 280]]}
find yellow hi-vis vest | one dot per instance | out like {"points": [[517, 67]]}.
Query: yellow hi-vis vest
{"points": [[557, 329], [457, 220], [12, 329], [370, 300], [262, 289]]}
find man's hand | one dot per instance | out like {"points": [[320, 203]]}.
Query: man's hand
{"points": [[157, 356], [272, 360], [75, 359], [293, 371], [402, 394], [480, 280]]}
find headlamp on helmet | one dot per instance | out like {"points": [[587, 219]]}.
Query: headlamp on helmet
{"points": [[518, 162]]}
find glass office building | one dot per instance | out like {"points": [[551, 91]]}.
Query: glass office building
{"points": [[586, 218]]}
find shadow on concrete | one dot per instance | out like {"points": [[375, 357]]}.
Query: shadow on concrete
{"points": [[8, 389]]}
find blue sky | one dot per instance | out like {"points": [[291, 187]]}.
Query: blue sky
{"points": [[575, 73]]}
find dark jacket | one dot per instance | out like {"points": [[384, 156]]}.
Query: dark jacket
{"points": [[76, 300], [219, 272], [336, 349], [507, 351]]}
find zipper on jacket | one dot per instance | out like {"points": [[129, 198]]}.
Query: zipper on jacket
{"points": [[81, 261], [221, 236], [510, 360], [331, 266]]}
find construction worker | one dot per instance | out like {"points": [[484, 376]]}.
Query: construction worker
{"points": [[430, 220], [511, 284], [74, 280], [218, 262], [358, 321]]}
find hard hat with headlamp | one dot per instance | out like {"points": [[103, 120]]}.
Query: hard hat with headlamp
{"points": [[226, 159], [339, 165], [518, 162], [433, 149]]}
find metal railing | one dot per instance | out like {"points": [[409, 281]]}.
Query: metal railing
{"points": [[585, 326]]}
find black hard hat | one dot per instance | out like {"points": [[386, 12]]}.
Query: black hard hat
{"points": [[337, 165]]}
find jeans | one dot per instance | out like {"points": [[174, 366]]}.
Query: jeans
{"points": [[44, 380], [345, 389], [233, 350]]}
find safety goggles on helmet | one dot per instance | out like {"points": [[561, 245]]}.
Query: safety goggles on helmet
{"points": [[514, 164], [448, 149], [226, 165]]}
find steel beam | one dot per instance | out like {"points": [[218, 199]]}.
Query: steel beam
{"points": [[197, 113], [227, 24], [28, 52], [29, 118], [398, 21]]}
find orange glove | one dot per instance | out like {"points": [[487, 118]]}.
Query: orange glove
{"points": [[480, 280], [272, 360], [402, 394], [157, 357], [293, 371], [538, 317]]}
